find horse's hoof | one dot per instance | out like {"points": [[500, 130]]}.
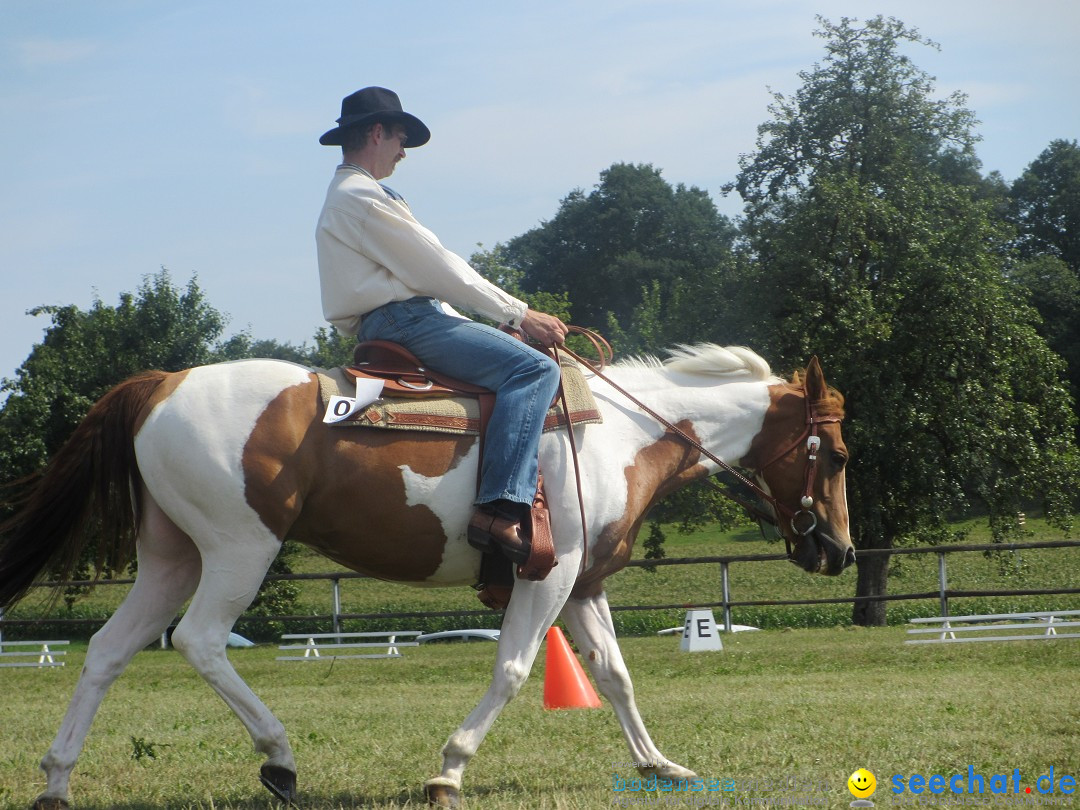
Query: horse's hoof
{"points": [[279, 781], [50, 803], [442, 795], [667, 770]]}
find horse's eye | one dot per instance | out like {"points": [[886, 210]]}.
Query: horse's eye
{"points": [[839, 460]]}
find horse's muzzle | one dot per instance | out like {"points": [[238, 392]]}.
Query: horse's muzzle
{"points": [[821, 553]]}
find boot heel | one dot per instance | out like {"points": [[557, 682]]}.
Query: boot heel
{"points": [[518, 556], [479, 539]]}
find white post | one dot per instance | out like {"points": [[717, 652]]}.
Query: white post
{"points": [[944, 598], [941, 583], [337, 605]]}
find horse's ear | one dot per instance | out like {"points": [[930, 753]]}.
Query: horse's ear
{"points": [[816, 387]]}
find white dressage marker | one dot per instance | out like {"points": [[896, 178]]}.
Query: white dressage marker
{"points": [[1038, 626], [46, 656], [313, 650]]}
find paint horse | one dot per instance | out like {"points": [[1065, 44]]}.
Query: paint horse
{"points": [[203, 473]]}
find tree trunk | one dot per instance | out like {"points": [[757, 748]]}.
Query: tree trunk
{"points": [[873, 580]]}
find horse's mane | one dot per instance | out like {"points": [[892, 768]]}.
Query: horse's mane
{"points": [[708, 359], [733, 363]]}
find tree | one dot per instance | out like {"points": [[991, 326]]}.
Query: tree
{"points": [[708, 305], [495, 267], [876, 246], [605, 250], [1044, 204], [1054, 290], [84, 353]]}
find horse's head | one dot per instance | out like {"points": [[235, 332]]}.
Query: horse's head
{"points": [[799, 456]]}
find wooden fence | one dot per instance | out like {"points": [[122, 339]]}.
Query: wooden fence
{"points": [[942, 594]]}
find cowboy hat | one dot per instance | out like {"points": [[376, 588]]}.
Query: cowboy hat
{"points": [[376, 104]]}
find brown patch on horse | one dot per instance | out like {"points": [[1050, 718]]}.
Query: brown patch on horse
{"points": [[658, 469], [273, 480], [342, 492], [785, 418]]}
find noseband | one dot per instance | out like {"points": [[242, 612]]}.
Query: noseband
{"points": [[803, 516]]}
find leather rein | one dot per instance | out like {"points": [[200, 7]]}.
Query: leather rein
{"points": [[802, 521]]}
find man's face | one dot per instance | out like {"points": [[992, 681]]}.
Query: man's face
{"points": [[390, 148]]}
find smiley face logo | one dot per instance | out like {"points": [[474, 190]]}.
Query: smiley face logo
{"points": [[862, 784]]}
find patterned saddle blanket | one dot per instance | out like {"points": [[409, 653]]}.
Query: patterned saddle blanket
{"points": [[345, 406]]}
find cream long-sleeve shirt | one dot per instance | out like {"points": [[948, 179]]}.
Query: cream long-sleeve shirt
{"points": [[372, 251]]}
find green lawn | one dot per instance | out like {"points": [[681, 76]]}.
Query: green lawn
{"points": [[813, 705]]}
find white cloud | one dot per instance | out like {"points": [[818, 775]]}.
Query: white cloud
{"points": [[39, 53]]}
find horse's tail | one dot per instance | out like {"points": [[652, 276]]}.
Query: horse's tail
{"points": [[91, 486]]}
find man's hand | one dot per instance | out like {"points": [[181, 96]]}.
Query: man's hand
{"points": [[545, 329]]}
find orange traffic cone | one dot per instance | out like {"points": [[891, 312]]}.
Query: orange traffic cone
{"points": [[565, 684]]}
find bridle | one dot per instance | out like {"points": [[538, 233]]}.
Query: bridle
{"points": [[806, 501], [802, 521]]}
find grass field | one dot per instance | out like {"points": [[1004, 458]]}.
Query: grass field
{"points": [[812, 704]]}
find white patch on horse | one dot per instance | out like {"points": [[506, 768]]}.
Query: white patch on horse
{"points": [[721, 392], [449, 497], [195, 438]]}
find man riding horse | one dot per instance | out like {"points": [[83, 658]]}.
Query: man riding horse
{"points": [[203, 473], [384, 276]]}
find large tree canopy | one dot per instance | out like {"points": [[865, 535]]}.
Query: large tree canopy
{"points": [[607, 248], [1044, 205], [877, 247]]}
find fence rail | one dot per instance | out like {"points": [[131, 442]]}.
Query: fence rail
{"points": [[943, 593]]}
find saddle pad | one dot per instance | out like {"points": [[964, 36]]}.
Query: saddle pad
{"points": [[453, 414]]}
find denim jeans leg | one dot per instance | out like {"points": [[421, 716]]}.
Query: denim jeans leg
{"points": [[525, 382]]}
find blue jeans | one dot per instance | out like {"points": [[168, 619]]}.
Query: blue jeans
{"points": [[523, 379]]}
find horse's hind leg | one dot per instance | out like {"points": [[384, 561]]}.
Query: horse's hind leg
{"points": [[231, 578], [532, 609], [168, 573], [590, 625]]}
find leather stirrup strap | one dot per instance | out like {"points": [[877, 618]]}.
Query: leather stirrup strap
{"points": [[542, 548]]}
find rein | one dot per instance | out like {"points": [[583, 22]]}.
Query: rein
{"points": [[809, 435]]}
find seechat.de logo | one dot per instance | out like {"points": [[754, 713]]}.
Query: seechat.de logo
{"points": [[977, 783]]}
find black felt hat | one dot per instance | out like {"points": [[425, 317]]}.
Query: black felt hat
{"points": [[376, 104]]}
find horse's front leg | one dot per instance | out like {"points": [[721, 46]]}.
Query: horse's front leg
{"points": [[589, 622], [531, 612]]}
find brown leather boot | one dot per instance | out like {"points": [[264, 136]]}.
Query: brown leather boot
{"points": [[487, 530]]}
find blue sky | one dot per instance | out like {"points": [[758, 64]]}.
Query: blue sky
{"points": [[140, 134]]}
